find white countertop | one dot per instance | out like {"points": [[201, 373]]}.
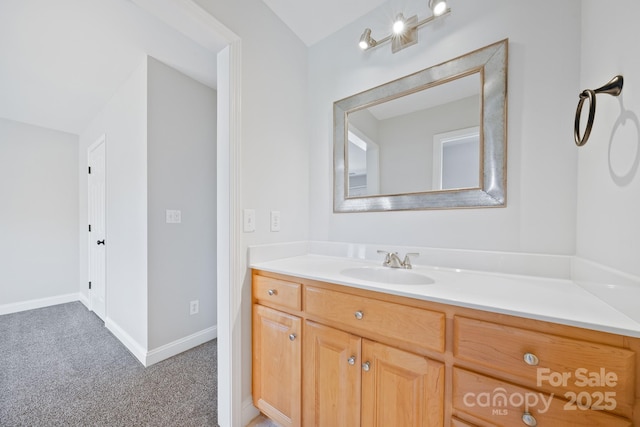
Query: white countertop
{"points": [[555, 300]]}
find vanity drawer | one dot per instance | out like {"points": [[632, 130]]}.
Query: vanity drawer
{"points": [[278, 292], [372, 317], [550, 362], [455, 422], [505, 404]]}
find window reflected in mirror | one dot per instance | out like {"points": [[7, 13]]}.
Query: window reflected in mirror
{"points": [[456, 159]]}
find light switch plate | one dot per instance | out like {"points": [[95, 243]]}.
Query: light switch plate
{"points": [[275, 220], [249, 220], [173, 216]]}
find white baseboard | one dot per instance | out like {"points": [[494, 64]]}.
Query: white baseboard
{"points": [[178, 346], [38, 303], [132, 345], [84, 300], [249, 412]]}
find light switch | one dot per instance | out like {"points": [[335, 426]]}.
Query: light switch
{"points": [[249, 220], [173, 216], [275, 220]]}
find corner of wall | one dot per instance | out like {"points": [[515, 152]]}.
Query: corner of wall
{"points": [[138, 350]]}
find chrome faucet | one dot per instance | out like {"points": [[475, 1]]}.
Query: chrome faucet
{"points": [[392, 260]]}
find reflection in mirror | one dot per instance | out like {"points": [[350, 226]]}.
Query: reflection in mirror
{"points": [[456, 159], [363, 164], [403, 133], [431, 140]]}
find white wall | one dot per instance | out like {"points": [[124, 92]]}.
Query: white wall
{"points": [[124, 121], [542, 161], [274, 136], [38, 214], [608, 177], [181, 160]]}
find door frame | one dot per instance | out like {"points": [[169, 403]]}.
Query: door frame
{"points": [[185, 16]]}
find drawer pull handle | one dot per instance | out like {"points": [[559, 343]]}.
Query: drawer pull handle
{"points": [[366, 366], [529, 420], [352, 360], [292, 337], [272, 292], [531, 359], [359, 315]]}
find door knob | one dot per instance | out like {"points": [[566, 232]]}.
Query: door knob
{"points": [[101, 242]]}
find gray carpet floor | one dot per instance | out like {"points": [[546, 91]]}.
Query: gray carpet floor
{"points": [[59, 366]]}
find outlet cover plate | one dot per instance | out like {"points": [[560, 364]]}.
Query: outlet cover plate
{"points": [[194, 307]]}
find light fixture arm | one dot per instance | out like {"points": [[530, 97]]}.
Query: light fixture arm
{"points": [[400, 41], [432, 18]]}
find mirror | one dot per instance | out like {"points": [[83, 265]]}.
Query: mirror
{"points": [[434, 139]]}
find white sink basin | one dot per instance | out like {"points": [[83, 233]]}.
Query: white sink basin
{"points": [[392, 276]]}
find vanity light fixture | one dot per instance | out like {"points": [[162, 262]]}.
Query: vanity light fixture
{"points": [[404, 30], [366, 41]]}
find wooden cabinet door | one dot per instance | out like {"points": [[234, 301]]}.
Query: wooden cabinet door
{"points": [[400, 389], [331, 375], [277, 379]]}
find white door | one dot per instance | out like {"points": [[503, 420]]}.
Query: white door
{"points": [[97, 243]]}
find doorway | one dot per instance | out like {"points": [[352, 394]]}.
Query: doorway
{"points": [[191, 19]]}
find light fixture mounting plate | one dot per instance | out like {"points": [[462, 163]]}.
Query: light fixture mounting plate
{"points": [[408, 37]]}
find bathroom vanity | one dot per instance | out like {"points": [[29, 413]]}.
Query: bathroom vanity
{"points": [[330, 350]]}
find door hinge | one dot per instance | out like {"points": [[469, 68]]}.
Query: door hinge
{"points": [[89, 169], [89, 285], [89, 227]]}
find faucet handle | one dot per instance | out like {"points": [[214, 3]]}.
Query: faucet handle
{"points": [[388, 259], [387, 256], [407, 261]]}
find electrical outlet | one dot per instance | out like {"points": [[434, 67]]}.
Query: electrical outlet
{"points": [[194, 307]]}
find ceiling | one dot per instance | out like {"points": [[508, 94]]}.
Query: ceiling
{"points": [[313, 20], [61, 61]]}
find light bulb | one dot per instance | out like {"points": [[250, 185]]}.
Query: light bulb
{"points": [[399, 24], [366, 41], [438, 7]]}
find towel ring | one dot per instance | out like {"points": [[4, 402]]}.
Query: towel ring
{"points": [[613, 87]]}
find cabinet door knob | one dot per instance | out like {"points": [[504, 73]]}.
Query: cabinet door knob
{"points": [[352, 360], [272, 292], [366, 366], [292, 337], [531, 359], [359, 315], [529, 420]]}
